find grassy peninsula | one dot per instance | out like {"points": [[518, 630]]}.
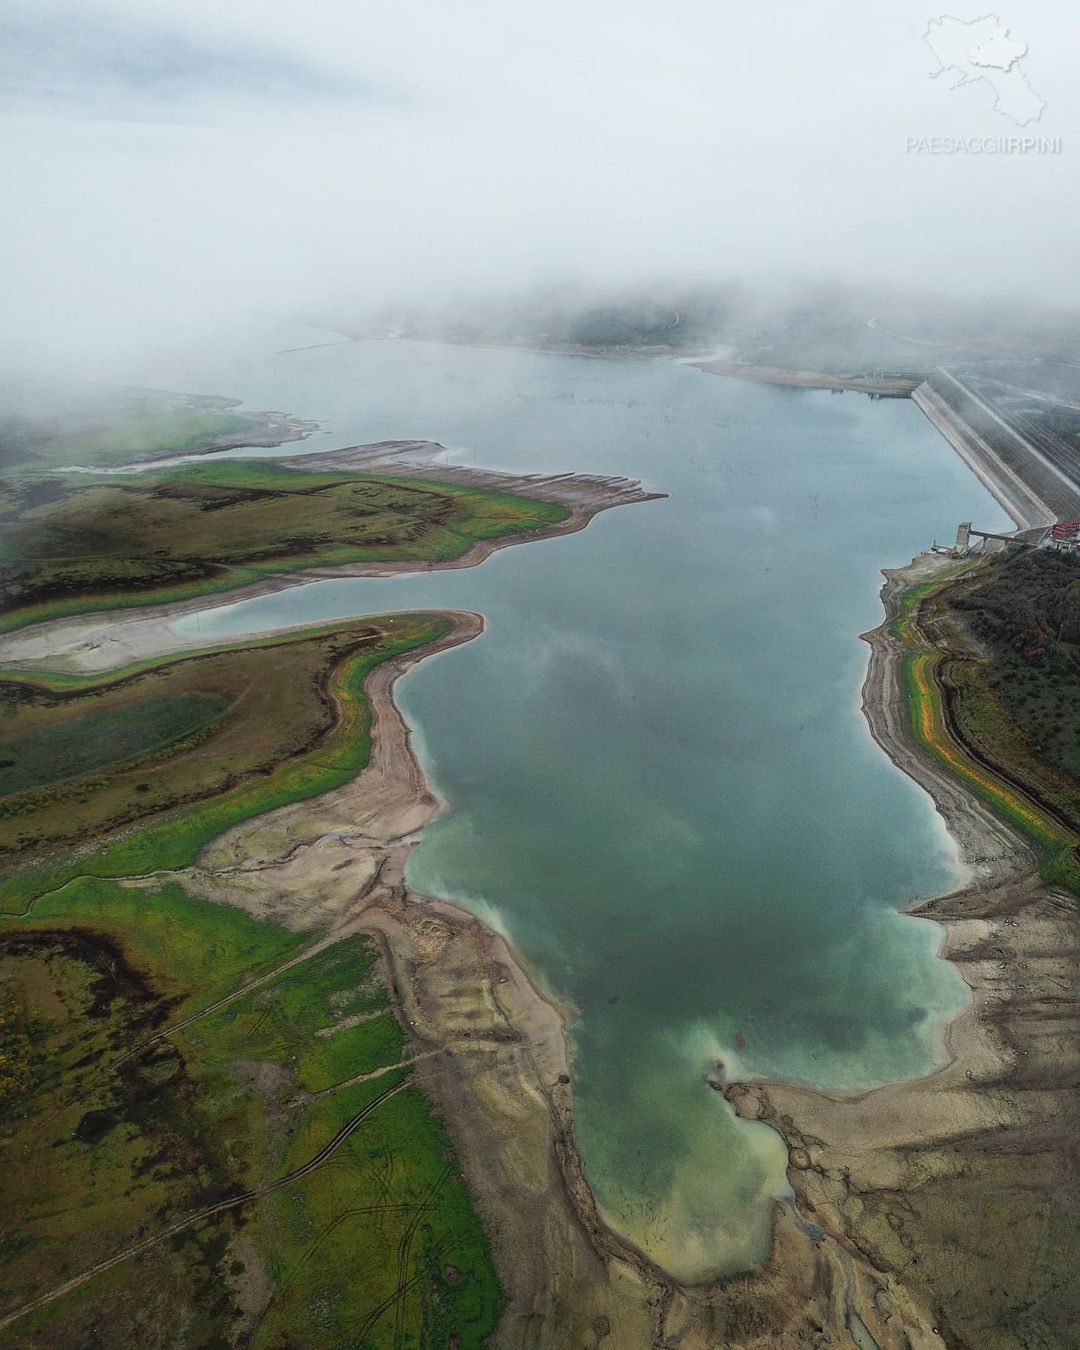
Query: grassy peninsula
{"points": [[74, 543], [164, 1058], [51, 424], [253, 727]]}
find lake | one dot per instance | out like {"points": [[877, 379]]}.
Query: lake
{"points": [[659, 780]]}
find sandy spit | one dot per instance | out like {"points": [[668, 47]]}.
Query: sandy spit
{"points": [[888, 386]]}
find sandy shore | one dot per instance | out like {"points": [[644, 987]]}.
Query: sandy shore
{"points": [[499, 1074], [958, 1187]]}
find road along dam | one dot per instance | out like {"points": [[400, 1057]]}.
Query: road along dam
{"points": [[1035, 484]]}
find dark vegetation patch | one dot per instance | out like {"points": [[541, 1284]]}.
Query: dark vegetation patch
{"points": [[110, 977], [102, 1155], [107, 1158], [69, 542], [1024, 610], [16, 1052], [68, 749]]}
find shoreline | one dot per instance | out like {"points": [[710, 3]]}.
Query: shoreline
{"points": [[497, 1062], [496, 1065], [498, 1054], [909, 1144], [106, 638], [495, 1058], [839, 1145]]}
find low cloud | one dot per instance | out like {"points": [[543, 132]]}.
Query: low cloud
{"points": [[175, 170]]}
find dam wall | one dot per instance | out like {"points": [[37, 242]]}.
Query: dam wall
{"points": [[1014, 472], [1021, 476]]}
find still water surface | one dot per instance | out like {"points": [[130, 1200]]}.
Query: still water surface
{"points": [[660, 783]]}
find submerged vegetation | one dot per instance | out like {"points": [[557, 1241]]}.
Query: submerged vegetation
{"points": [[75, 542]]}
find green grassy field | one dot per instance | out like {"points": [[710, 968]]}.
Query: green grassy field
{"points": [[50, 424], [377, 1246], [221, 1117], [296, 724], [72, 543], [123, 1131]]}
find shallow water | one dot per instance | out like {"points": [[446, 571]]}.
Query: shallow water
{"points": [[661, 785]]}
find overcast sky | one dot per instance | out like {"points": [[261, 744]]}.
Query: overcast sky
{"points": [[170, 161]]}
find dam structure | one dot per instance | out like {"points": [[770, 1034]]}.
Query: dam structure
{"points": [[1035, 476], [1021, 442]]}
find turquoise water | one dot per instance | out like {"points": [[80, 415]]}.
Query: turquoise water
{"points": [[659, 781]]}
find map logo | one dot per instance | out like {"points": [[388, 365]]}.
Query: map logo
{"points": [[982, 49]]}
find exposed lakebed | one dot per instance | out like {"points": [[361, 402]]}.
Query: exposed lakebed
{"points": [[659, 778]]}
